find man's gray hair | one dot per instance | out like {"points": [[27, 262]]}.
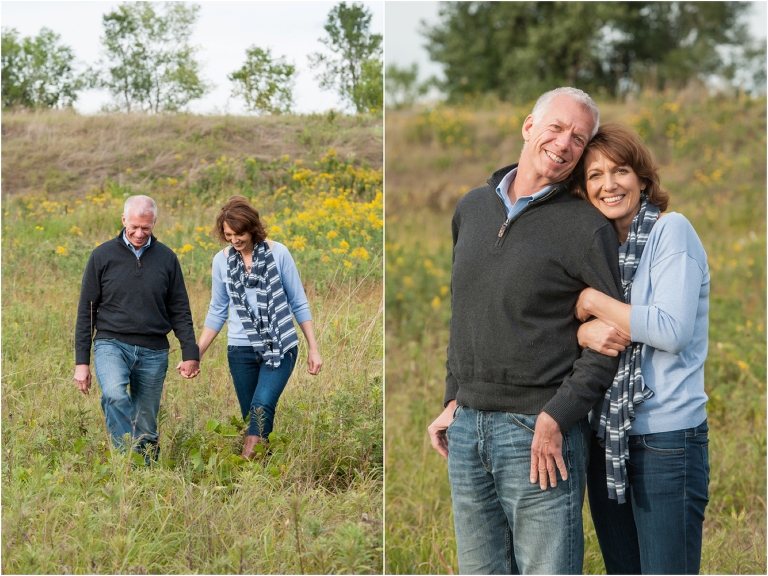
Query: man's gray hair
{"points": [[581, 97], [140, 205]]}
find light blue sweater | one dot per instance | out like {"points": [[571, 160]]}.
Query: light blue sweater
{"points": [[218, 311], [670, 314]]}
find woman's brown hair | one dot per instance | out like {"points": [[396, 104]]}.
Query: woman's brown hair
{"points": [[241, 217], [623, 147]]}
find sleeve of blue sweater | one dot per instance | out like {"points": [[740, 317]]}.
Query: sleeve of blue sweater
{"points": [[677, 269]]}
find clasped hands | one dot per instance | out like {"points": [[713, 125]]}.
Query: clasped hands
{"points": [[188, 368]]}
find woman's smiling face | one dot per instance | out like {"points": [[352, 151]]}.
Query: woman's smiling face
{"points": [[614, 189], [239, 242]]}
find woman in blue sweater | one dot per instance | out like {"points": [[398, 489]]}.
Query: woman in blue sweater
{"points": [[649, 466], [256, 284]]}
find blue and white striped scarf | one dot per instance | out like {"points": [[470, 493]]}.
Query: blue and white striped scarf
{"points": [[628, 388], [269, 327]]}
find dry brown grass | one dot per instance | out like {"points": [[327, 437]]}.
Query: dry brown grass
{"points": [[59, 151]]}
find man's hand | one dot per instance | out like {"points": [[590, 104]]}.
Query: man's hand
{"points": [[602, 338], [314, 362], [189, 368], [439, 426], [547, 452], [83, 377]]}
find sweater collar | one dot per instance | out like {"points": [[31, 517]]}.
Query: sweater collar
{"points": [[120, 240]]}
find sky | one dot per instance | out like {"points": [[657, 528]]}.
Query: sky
{"points": [[223, 32], [404, 45]]}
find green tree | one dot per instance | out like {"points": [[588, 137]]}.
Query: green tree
{"points": [[519, 49], [665, 44], [39, 72], [265, 82], [403, 87], [151, 64], [351, 67], [369, 92]]}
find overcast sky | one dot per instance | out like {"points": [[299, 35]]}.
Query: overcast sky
{"points": [[404, 44], [223, 32]]}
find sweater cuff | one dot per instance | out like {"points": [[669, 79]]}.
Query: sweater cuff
{"points": [[451, 388], [302, 316], [215, 323], [638, 323], [190, 353], [562, 412], [82, 357]]}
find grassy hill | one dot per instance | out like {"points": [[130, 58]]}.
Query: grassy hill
{"points": [[712, 155], [315, 504], [58, 152]]}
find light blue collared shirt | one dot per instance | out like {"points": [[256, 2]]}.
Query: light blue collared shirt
{"points": [[522, 202], [136, 252]]}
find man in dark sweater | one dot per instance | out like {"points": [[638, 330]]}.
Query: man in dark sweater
{"points": [[133, 294], [518, 386]]}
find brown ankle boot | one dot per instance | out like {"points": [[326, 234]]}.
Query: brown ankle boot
{"points": [[249, 445]]}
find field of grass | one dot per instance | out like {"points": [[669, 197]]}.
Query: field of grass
{"points": [[314, 505], [712, 155]]}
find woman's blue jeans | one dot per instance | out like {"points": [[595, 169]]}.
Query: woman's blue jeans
{"points": [[122, 366], [258, 387], [503, 523], [659, 529]]}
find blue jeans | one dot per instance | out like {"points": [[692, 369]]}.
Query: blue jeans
{"points": [[258, 387], [503, 523], [659, 529], [119, 366]]}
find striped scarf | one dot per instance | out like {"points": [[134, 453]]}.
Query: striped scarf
{"points": [[269, 326], [628, 388]]}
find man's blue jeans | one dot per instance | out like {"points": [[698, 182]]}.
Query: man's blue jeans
{"points": [[504, 524], [659, 529], [120, 366], [258, 387]]}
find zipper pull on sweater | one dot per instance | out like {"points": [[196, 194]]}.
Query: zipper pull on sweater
{"points": [[503, 227]]}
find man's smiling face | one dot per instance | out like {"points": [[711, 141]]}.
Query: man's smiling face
{"points": [[555, 141]]}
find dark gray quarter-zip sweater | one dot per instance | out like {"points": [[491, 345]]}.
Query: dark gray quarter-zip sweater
{"points": [[513, 345], [135, 301]]}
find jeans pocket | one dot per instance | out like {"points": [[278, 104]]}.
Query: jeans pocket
{"points": [[456, 413], [665, 442], [524, 421]]}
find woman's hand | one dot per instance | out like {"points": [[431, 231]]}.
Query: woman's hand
{"points": [[583, 304], [600, 337], [189, 368], [314, 362]]}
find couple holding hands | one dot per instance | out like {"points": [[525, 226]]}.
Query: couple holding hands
{"points": [[133, 295]]}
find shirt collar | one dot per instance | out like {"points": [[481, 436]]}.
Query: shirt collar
{"points": [[502, 190], [132, 247]]}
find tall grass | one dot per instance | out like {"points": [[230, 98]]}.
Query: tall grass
{"points": [[712, 154], [314, 505]]}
